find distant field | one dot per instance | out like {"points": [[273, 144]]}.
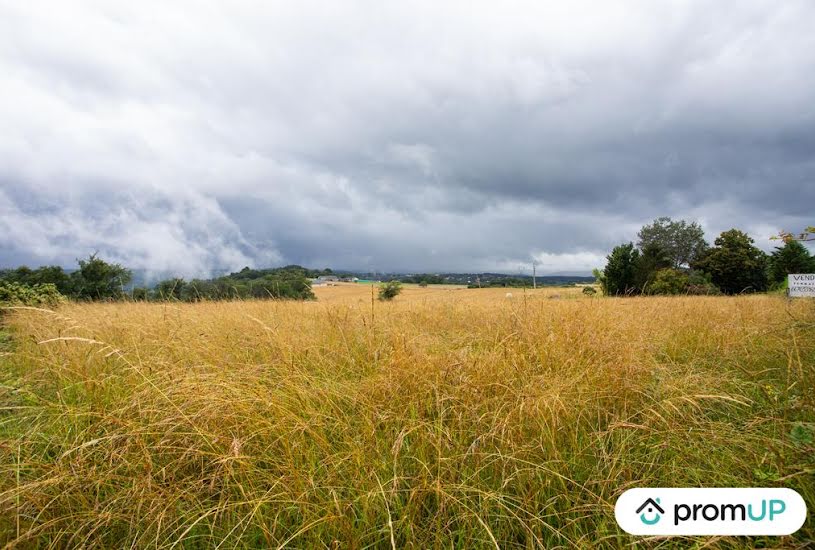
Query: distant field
{"points": [[450, 418], [353, 293]]}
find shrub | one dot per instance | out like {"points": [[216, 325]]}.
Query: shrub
{"points": [[16, 294], [700, 284], [390, 290], [589, 291], [668, 281]]}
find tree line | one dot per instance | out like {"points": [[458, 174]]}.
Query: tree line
{"points": [[98, 280], [95, 279], [291, 282], [673, 257]]}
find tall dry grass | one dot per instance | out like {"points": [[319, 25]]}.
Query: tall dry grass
{"points": [[444, 419]]}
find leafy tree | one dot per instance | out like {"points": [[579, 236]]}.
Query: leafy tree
{"points": [[600, 279], [682, 242], [793, 257], [171, 289], [651, 260], [734, 264], [198, 290], [100, 280], [620, 271], [390, 290], [140, 294]]}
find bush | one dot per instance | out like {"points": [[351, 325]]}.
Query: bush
{"points": [[390, 290], [700, 284], [140, 294], [668, 281], [16, 294], [589, 291]]}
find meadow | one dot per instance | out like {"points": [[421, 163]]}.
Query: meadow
{"points": [[448, 418]]}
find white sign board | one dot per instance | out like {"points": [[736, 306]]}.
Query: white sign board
{"points": [[801, 285]]}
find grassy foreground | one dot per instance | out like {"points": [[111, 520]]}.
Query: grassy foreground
{"points": [[447, 419]]}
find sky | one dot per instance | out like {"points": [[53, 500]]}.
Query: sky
{"points": [[196, 137]]}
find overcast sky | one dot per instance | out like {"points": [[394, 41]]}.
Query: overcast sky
{"points": [[409, 136]]}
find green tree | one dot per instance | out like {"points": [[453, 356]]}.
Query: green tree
{"points": [[140, 294], [682, 242], [734, 264], [651, 260], [793, 257], [171, 289], [390, 290], [100, 280], [50, 274], [620, 271], [600, 279]]}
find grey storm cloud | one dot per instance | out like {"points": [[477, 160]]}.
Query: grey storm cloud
{"points": [[199, 136]]}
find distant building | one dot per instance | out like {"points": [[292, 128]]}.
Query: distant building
{"points": [[323, 279]]}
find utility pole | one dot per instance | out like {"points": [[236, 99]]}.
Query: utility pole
{"points": [[534, 279]]}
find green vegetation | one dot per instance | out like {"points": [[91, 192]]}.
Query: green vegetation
{"points": [[16, 294], [734, 264], [673, 258], [97, 280], [390, 290], [94, 280], [424, 279], [793, 257], [100, 280], [620, 275], [290, 282], [682, 243]]}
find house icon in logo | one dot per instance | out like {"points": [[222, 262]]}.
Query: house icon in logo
{"points": [[652, 507]]}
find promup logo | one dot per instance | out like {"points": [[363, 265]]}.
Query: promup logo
{"points": [[679, 511], [651, 505]]}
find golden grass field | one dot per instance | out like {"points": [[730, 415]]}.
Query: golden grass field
{"points": [[449, 418]]}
